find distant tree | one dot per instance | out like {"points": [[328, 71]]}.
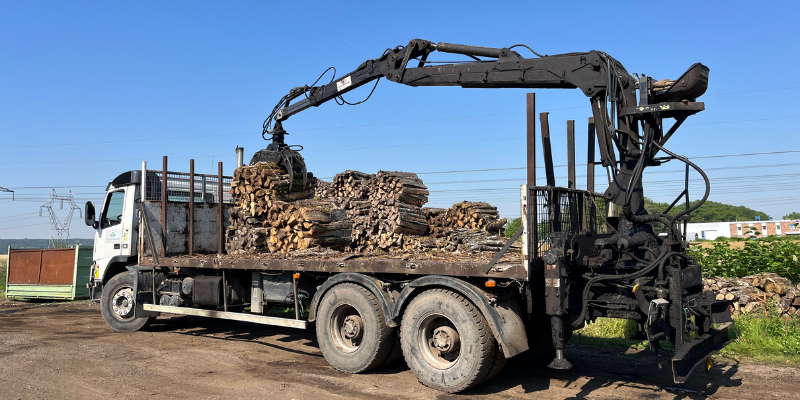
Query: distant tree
{"points": [[710, 211], [512, 226], [792, 215]]}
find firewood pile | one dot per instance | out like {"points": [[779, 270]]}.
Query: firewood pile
{"points": [[351, 184], [324, 190], [392, 211], [756, 292], [281, 213], [474, 215], [257, 188]]}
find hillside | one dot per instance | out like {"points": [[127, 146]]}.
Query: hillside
{"points": [[711, 211]]}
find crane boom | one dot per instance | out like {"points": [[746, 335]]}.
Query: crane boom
{"points": [[611, 89]]}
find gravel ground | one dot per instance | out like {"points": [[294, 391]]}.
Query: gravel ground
{"points": [[66, 351]]}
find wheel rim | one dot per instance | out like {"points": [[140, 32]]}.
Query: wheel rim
{"points": [[122, 303], [346, 328], [439, 341]]}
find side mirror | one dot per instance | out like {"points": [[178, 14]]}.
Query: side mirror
{"points": [[88, 215]]}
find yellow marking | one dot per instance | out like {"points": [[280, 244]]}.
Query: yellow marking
{"points": [[635, 287]]}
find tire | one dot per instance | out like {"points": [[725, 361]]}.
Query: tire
{"points": [[498, 362], [119, 289], [397, 350], [352, 330], [431, 324]]}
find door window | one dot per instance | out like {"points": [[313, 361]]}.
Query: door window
{"points": [[113, 212]]}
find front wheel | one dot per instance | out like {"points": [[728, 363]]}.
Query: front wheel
{"points": [[447, 342], [118, 303]]}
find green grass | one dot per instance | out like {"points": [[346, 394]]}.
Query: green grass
{"points": [[765, 337], [3, 278], [760, 337]]}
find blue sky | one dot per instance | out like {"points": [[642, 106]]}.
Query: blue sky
{"points": [[90, 89]]}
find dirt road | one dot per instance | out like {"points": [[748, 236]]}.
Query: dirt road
{"points": [[67, 351]]}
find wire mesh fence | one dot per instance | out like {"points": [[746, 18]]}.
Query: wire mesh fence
{"points": [[566, 210], [206, 187]]}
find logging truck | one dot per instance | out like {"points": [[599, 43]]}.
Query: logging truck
{"points": [[454, 318]]}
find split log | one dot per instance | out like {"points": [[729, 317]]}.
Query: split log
{"points": [[474, 215], [352, 184], [255, 187], [405, 187]]}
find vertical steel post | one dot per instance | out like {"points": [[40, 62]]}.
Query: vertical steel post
{"points": [[548, 153], [529, 218], [686, 221], [191, 206], [571, 154], [142, 215], [531, 111], [164, 207], [591, 209], [590, 157], [220, 239]]}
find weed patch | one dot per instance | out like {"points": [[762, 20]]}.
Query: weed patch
{"points": [[762, 337]]}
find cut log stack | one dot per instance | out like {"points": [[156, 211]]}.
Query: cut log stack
{"points": [[461, 240], [474, 215], [393, 210], [246, 234], [358, 212], [436, 220], [324, 190], [256, 188], [405, 187], [352, 185], [756, 292], [304, 224]]}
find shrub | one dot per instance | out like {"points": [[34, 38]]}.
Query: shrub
{"points": [[771, 254]]}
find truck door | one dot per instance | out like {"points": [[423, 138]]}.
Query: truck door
{"points": [[114, 240]]}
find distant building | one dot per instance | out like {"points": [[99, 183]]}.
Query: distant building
{"points": [[742, 229]]}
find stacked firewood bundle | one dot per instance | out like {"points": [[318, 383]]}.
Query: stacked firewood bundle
{"points": [[304, 224], [405, 187], [357, 212], [436, 220], [289, 226], [324, 190], [384, 226], [757, 292], [351, 184], [256, 188], [462, 240], [474, 215], [393, 210], [246, 233]]}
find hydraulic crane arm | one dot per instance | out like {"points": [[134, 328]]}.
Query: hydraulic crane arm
{"points": [[611, 89], [587, 71]]}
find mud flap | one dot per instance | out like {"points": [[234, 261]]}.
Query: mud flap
{"points": [[697, 351]]}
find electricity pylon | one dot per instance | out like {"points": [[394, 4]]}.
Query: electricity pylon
{"points": [[60, 232]]}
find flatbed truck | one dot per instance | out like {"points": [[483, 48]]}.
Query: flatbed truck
{"points": [[159, 242]]}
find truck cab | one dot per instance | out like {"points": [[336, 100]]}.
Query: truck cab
{"points": [[116, 229]]}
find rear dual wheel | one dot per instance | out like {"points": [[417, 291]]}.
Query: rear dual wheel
{"points": [[352, 331], [447, 342]]}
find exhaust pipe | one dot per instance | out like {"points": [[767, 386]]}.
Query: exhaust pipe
{"points": [[239, 157]]}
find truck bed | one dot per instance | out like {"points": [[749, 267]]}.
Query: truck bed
{"points": [[463, 265]]}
